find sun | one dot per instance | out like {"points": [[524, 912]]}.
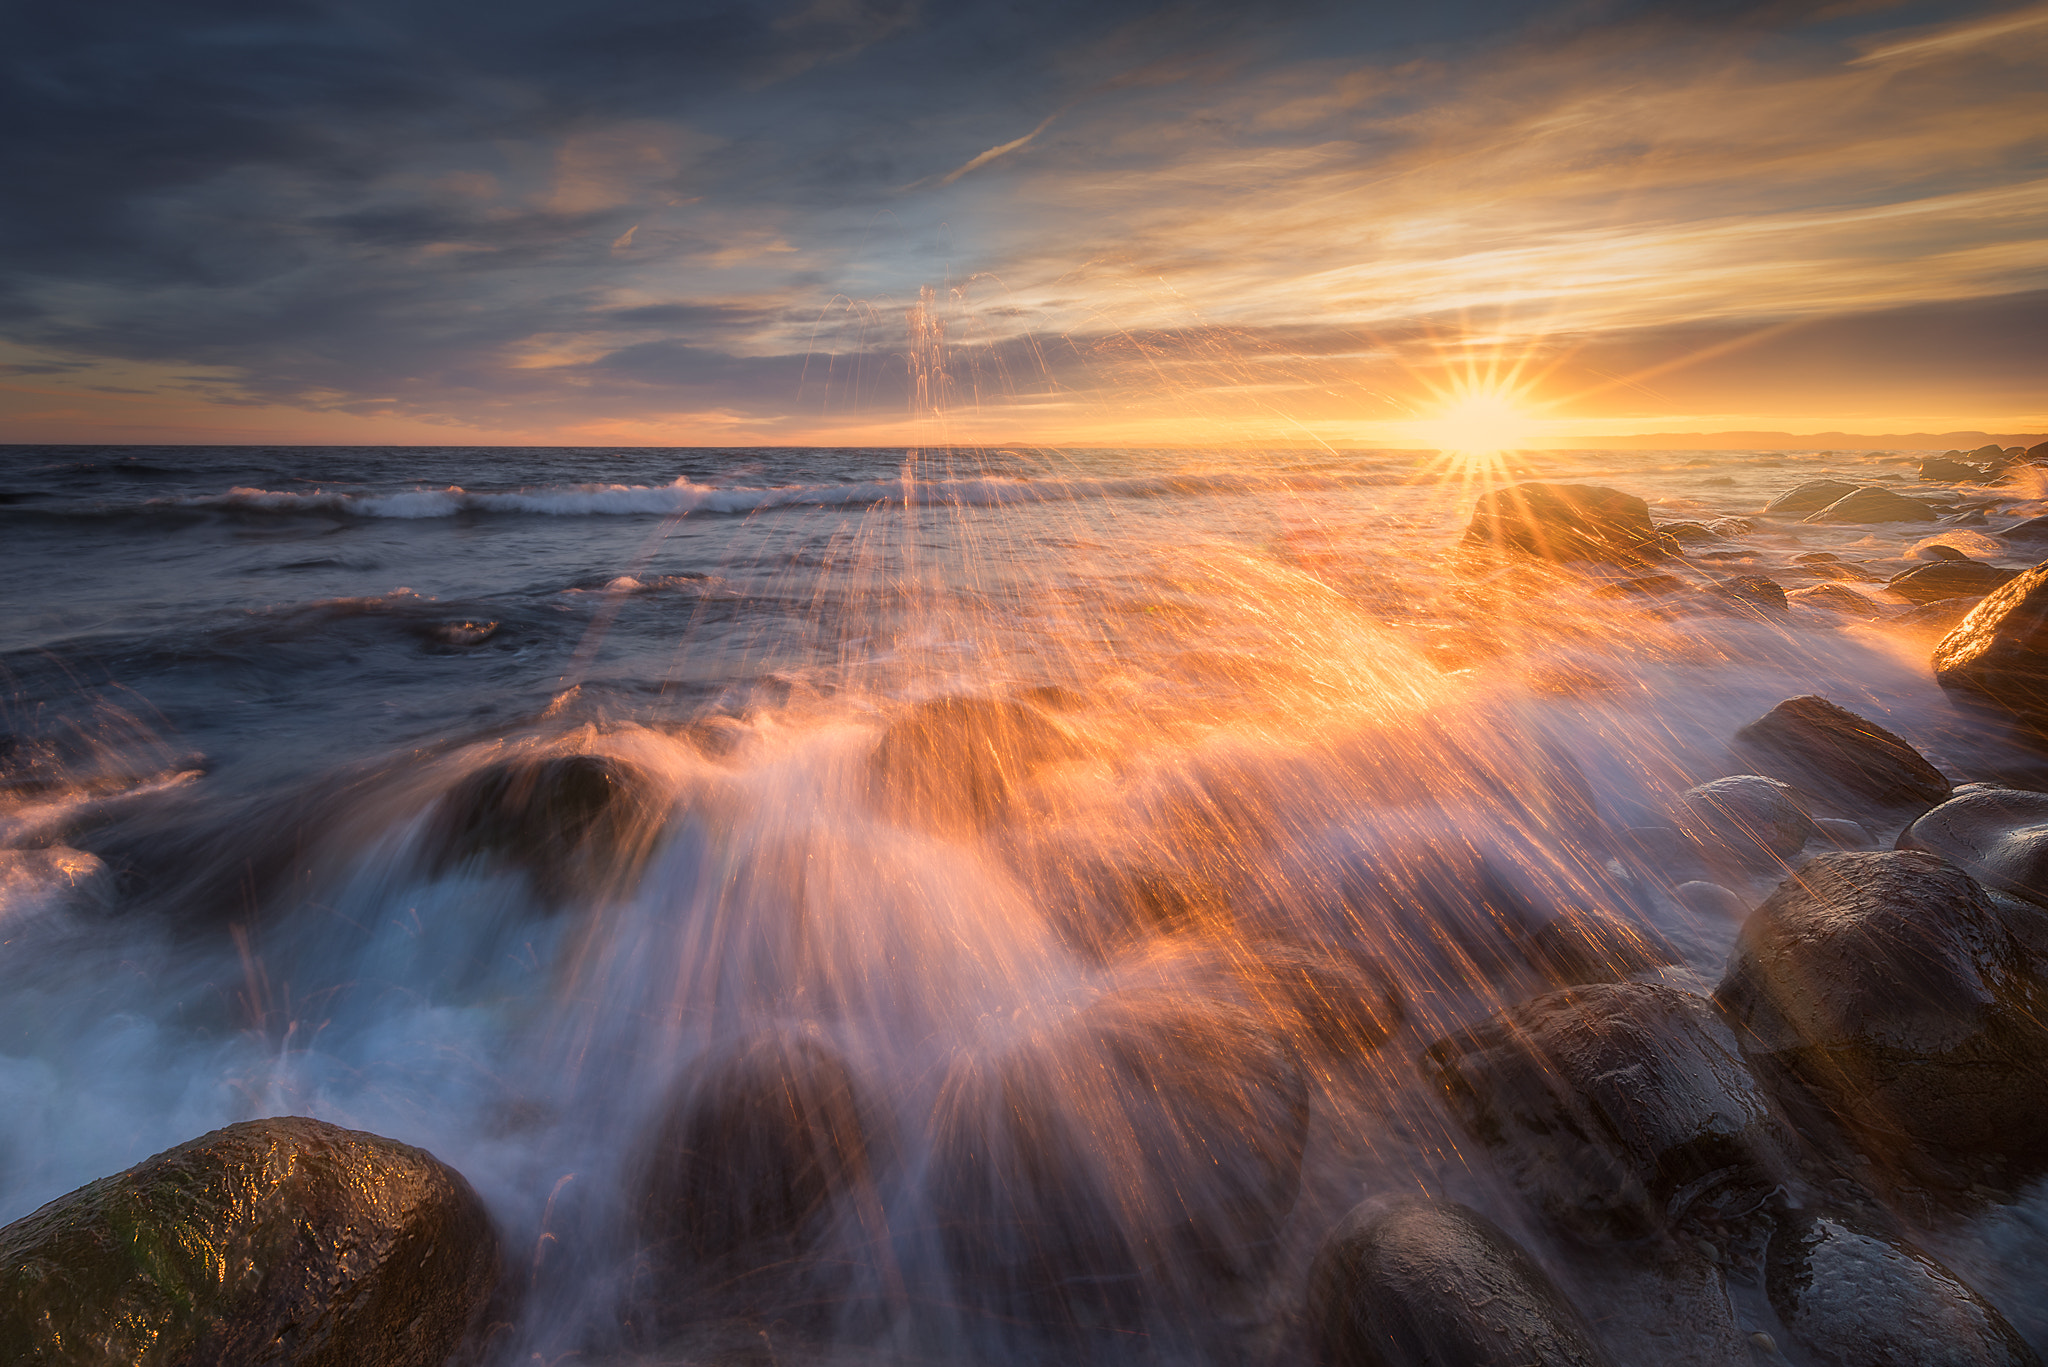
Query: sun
{"points": [[1479, 420]]}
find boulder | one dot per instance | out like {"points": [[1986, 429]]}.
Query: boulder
{"points": [[958, 763], [1835, 598], [1748, 593], [1874, 504], [1642, 586], [1566, 522], [1711, 899], [1428, 1283], [1111, 1172], [1731, 526], [1810, 497], [1688, 531], [1852, 1297], [1999, 835], [267, 1242], [1615, 1107], [1998, 655], [1989, 451], [1338, 1009], [1938, 618], [1828, 747], [1589, 946], [2032, 530], [1747, 819], [1943, 470], [1886, 991], [1937, 551], [1948, 579], [558, 817], [2037, 452]]}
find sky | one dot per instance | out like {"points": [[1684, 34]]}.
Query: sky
{"points": [[1069, 222]]}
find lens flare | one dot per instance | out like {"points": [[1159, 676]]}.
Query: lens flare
{"points": [[1481, 420]]}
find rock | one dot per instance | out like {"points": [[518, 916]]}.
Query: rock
{"points": [[267, 1242], [1748, 818], [1427, 1283], [1341, 1010], [2033, 529], [1642, 586], [1113, 1170], [1810, 497], [1817, 740], [1998, 835], [1885, 990], [1941, 616], [1687, 531], [1855, 1298], [1614, 1107], [1835, 598], [1749, 593], [1843, 835], [1874, 504], [2037, 452], [1943, 470], [556, 816], [1566, 522], [1731, 526], [1937, 551], [957, 763], [1989, 451], [467, 633], [1948, 579], [754, 1155], [1998, 655], [1816, 558], [1711, 899], [1588, 946]]}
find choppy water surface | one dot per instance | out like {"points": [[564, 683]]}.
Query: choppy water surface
{"points": [[254, 701]]}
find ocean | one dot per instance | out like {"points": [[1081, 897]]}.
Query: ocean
{"points": [[251, 700]]}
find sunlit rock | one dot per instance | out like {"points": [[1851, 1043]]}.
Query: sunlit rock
{"points": [[1886, 991], [1615, 1107], [1810, 497], [1948, 578], [1998, 655], [1935, 619], [1566, 522], [958, 762], [1873, 503], [1944, 470], [1110, 1172], [1688, 532], [759, 1149], [1745, 819], [1589, 946], [268, 1242], [562, 818], [1851, 1297], [1428, 1283], [1823, 745], [2000, 835], [1938, 550], [1837, 599]]}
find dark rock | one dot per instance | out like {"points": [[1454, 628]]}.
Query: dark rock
{"points": [[1938, 551], [1687, 531], [2037, 452], [1114, 1170], [1943, 470], [1426, 1283], [552, 815], [1343, 1010], [1855, 1298], [1886, 990], [472, 633], [1643, 586], [1874, 504], [958, 762], [1998, 655], [2033, 529], [1588, 946], [1816, 558], [1943, 615], [1810, 497], [1749, 593], [1614, 1107], [268, 1242], [1999, 835], [1837, 599], [1989, 451], [1566, 522], [1818, 740], [1948, 579], [1844, 834], [1711, 898], [1747, 818]]}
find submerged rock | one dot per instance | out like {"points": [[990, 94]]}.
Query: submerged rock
{"points": [[1836, 598], [1342, 1010], [1120, 1168], [1854, 1298], [1427, 1283], [1711, 899], [1566, 522], [1873, 503], [1590, 946], [1614, 1107], [1999, 835], [268, 1242], [1815, 739], [1809, 497], [556, 816], [1998, 655], [1939, 617], [1948, 578], [1750, 592], [959, 762], [1746, 818], [1886, 991]]}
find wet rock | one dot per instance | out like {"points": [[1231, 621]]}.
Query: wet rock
{"points": [[1830, 748], [1845, 602], [1948, 579], [1746, 818], [1749, 593], [1998, 655], [1615, 1107], [1944, 470], [2036, 452], [1810, 497], [556, 816], [1342, 1010], [1427, 1283], [1938, 551], [755, 1154], [1854, 1298], [1874, 504], [1731, 526], [1886, 991], [1688, 531], [959, 762], [1107, 1173], [1566, 522], [1990, 450], [1843, 835], [1642, 586], [1942, 616], [2032, 530], [268, 1242], [466, 633], [1999, 835], [1590, 946], [1711, 899]]}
